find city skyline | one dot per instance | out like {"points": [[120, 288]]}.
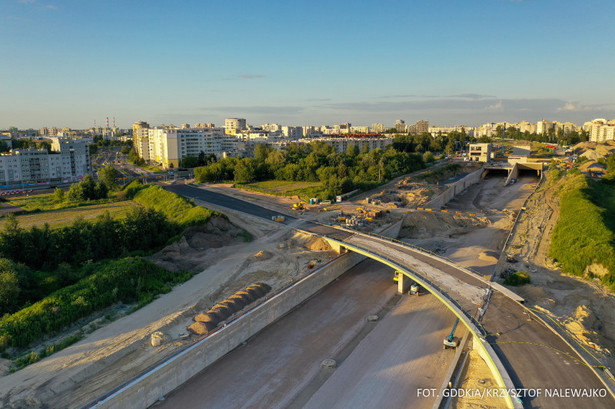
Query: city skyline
{"points": [[70, 63]]}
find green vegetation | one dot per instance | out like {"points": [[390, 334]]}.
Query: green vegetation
{"points": [[304, 190], [53, 201], [33, 356], [49, 278], [176, 208], [440, 174], [66, 216], [517, 278], [585, 232], [126, 280], [314, 162]]}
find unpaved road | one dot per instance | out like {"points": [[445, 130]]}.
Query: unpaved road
{"points": [[280, 367]]}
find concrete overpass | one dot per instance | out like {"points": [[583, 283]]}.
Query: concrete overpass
{"points": [[521, 350]]}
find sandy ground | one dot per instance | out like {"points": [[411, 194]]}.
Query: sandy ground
{"points": [[477, 376], [121, 349], [472, 241], [582, 309]]}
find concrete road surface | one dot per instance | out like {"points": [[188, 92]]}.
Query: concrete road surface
{"points": [[280, 367], [404, 353]]}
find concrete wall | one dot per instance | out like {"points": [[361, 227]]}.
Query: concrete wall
{"points": [[149, 387], [454, 189]]}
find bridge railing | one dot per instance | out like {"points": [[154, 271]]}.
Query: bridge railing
{"points": [[420, 277], [414, 247]]}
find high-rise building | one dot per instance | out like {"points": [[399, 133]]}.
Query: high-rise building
{"points": [[422, 126], [169, 145], [68, 160], [235, 123], [140, 139]]}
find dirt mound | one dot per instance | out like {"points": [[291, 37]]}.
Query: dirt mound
{"points": [[580, 323], [317, 244], [489, 256], [262, 256], [421, 225], [184, 253], [217, 232]]}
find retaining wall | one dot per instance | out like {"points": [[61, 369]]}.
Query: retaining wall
{"points": [[149, 387], [454, 189]]}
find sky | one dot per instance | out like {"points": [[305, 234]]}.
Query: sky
{"points": [[451, 62]]}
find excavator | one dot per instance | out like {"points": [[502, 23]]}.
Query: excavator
{"points": [[451, 341]]}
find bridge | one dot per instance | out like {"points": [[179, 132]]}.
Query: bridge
{"points": [[520, 349]]}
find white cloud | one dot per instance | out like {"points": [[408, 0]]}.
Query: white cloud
{"points": [[498, 106]]}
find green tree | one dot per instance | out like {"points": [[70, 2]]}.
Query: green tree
{"points": [[58, 194], [4, 147], [352, 150], [190, 162], [108, 175], [428, 157], [245, 171], [261, 152], [75, 192], [9, 286]]}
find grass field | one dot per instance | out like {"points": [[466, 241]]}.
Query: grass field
{"points": [[63, 217], [48, 202], [285, 188]]}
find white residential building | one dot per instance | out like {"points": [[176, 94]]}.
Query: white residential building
{"points": [[341, 144], [69, 160], [168, 146]]}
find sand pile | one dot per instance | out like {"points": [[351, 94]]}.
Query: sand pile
{"points": [[317, 244]]}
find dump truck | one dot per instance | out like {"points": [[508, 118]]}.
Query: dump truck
{"points": [[414, 289]]}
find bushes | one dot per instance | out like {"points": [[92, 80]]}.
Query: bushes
{"points": [[125, 280], [518, 278]]}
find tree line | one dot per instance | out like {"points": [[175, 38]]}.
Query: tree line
{"points": [[315, 162]]}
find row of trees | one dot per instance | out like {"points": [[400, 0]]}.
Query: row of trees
{"points": [[313, 162], [38, 261], [551, 136]]}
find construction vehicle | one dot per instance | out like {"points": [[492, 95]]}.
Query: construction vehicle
{"points": [[451, 341], [299, 206], [414, 289]]}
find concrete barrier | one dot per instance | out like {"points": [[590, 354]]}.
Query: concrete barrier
{"points": [[148, 388], [454, 189]]}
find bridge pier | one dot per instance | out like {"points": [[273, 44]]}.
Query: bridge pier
{"points": [[403, 282], [337, 247]]}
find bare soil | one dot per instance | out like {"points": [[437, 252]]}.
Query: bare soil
{"points": [[120, 350]]}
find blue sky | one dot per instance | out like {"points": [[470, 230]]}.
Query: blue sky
{"points": [[70, 62]]}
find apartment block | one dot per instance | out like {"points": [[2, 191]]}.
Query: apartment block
{"points": [[68, 161]]}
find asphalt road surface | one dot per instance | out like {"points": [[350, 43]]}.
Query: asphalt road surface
{"points": [[280, 367]]}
